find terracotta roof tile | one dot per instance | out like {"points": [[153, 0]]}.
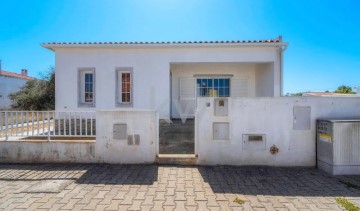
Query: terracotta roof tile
{"points": [[277, 40], [15, 75]]}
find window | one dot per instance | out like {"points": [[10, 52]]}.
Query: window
{"points": [[87, 87], [213, 87], [124, 87]]}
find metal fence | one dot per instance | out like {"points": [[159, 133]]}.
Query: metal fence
{"points": [[23, 124]]}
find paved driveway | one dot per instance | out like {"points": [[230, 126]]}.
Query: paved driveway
{"points": [[152, 187]]}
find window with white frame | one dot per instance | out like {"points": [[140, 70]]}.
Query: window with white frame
{"points": [[124, 87], [86, 87], [213, 87]]}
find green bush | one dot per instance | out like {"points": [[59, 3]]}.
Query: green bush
{"points": [[37, 94]]}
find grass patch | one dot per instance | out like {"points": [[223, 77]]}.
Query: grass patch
{"points": [[239, 200], [347, 205]]}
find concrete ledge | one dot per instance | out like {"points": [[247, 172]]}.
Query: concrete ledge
{"points": [[177, 159]]}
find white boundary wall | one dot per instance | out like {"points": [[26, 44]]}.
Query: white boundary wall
{"points": [[47, 152], [273, 117], [143, 123]]}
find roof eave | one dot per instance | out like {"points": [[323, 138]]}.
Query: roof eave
{"points": [[53, 46]]}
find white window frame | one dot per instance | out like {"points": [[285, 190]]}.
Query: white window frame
{"points": [[213, 84], [81, 102], [118, 86]]}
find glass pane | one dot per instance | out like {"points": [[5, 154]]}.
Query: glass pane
{"points": [[221, 92], [203, 91], [221, 82], [227, 92], [216, 92], [203, 83], [128, 87], [216, 82], [226, 82], [209, 83], [88, 97], [125, 77], [198, 82], [88, 87], [209, 92], [123, 87], [126, 97]]}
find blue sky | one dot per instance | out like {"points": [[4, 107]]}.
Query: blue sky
{"points": [[323, 36]]}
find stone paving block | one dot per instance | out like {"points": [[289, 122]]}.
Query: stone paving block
{"points": [[169, 201], [71, 204], [136, 205], [158, 205], [49, 204], [149, 200], [92, 205], [200, 196], [180, 196], [160, 196], [170, 192]]}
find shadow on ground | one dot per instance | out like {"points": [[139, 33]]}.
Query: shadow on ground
{"points": [[246, 180], [291, 181]]}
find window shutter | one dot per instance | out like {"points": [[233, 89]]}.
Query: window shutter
{"points": [[239, 87], [187, 97]]}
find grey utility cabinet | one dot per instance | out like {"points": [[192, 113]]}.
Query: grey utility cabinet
{"points": [[338, 146]]}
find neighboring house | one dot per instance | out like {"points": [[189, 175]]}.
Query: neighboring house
{"points": [[9, 83], [166, 76], [327, 94]]}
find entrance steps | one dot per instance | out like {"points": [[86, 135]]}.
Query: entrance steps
{"points": [[177, 159]]}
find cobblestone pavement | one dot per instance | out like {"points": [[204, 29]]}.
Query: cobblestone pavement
{"points": [[152, 187]]}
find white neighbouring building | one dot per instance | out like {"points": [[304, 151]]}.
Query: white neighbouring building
{"points": [[164, 76], [9, 83]]}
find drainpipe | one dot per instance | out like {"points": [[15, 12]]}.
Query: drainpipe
{"points": [[282, 49]]}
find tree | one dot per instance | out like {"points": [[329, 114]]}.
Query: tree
{"points": [[344, 90], [293, 94], [37, 94]]}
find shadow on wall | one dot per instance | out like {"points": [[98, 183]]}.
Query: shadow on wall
{"points": [[245, 180]]}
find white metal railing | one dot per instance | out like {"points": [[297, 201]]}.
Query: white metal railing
{"points": [[47, 124]]}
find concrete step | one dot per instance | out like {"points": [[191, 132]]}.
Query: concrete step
{"points": [[177, 159]]}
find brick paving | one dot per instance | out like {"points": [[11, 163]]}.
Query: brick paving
{"points": [[156, 187]]}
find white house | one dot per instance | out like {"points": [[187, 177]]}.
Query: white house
{"points": [[9, 83], [166, 76]]}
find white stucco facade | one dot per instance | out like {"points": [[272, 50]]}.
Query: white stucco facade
{"points": [[9, 85], [156, 70]]}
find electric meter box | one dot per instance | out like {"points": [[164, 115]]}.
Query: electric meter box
{"points": [[338, 146]]}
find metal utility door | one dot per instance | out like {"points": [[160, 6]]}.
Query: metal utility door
{"points": [[187, 97]]}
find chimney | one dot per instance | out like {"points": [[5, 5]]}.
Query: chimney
{"points": [[24, 72]]}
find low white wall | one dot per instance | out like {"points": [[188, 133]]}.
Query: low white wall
{"points": [[141, 122], [273, 117], [47, 152]]}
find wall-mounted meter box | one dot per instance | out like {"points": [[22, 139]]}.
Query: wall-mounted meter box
{"points": [[221, 106]]}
